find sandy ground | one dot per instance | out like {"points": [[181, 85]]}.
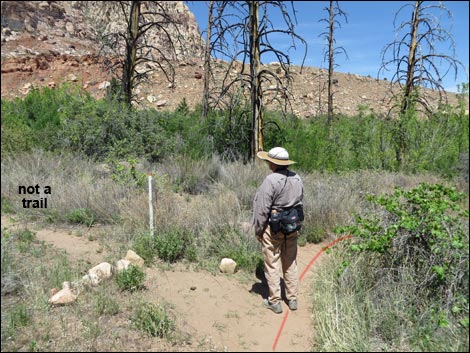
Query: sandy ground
{"points": [[222, 311]]}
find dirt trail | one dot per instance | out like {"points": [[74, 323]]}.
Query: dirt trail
{"points": [[222, 312]]}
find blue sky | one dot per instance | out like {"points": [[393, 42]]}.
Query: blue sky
{"points": [[369, 27]]}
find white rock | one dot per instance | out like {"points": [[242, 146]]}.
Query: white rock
{"points": [[122, 265], [134, 259], [62, 297], [104, 84], [91, 279], [227, 265], [103, 270]]}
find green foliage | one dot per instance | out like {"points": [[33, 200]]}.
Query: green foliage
{"points": [[226, 241], [84, 216], [25, 239], [127, 175], [183, 107], [105, 305], [144, 246], [109, 129], [154, 320], [7, 207], [37, 119], [169, 244], [424, 230], [61, 271], [68, 118], [313, 234], [172, 242], [18, 316], [131, 279]]}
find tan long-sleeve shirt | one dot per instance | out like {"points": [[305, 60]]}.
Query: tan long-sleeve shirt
{"points": [[280, 190]]}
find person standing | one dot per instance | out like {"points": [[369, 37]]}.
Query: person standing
{"points": [[277, 213]]}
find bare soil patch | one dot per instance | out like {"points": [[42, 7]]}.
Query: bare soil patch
{"points": [[216, 312]]}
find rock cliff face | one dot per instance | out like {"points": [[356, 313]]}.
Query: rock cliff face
{"points": [[45, 43], [55, 22]]}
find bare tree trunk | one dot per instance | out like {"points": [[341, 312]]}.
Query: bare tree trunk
{"points": [[131, 52], [411, 60], [256, 93], [407, 100], [207, 67], [330, 70]]}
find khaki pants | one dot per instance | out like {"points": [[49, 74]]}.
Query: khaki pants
{"points": [[284, 248]]}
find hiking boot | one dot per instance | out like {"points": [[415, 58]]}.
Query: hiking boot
{"points": [[293, 304], [277, 308]]}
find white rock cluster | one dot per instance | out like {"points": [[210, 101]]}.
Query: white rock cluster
{"points": [[70, 291]]}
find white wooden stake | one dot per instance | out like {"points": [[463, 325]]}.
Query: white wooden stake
{"points": [[150, 204]]}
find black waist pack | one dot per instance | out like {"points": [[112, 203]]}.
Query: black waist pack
{"points": [[287, 221]]}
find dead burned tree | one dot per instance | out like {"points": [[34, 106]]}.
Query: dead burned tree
{"points": [[241, 31], [207, 62], [417, 64], [128, 32], [333, 11]]}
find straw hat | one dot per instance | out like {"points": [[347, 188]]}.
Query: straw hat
{"points": [[276, 155]]}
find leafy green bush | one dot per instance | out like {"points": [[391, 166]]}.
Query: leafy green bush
{"points": [[144, 246], [424, 232], [36, 120], [84, 216], [153, 320], [171, 243], [131, 279], [68, 118]]}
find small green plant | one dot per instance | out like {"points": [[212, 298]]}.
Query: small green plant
{"points": [[60, 271], [171, 244], [153, 320], [131, 279], [106, 305], [25, 240], [144, 246], [84, 216], [19, 316], [127, 175], [7, 207], [313, 234], [232, 243], [183, 107]]}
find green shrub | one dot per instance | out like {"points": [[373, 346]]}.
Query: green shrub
{"points": [[36, 120], [82, 216], [7, 207], [422, 233], [313, 234], [25, 240], [131, 279], [171, 243], [104, 304], [153, 320], [226, 241], [103, 129], [18, 316], [144, 246]]}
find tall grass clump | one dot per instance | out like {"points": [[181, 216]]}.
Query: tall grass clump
{"points": [[154, 320], [81, 190], [406, 267]]}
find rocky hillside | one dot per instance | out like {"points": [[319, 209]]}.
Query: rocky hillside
{"points": [[45, 43]]}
